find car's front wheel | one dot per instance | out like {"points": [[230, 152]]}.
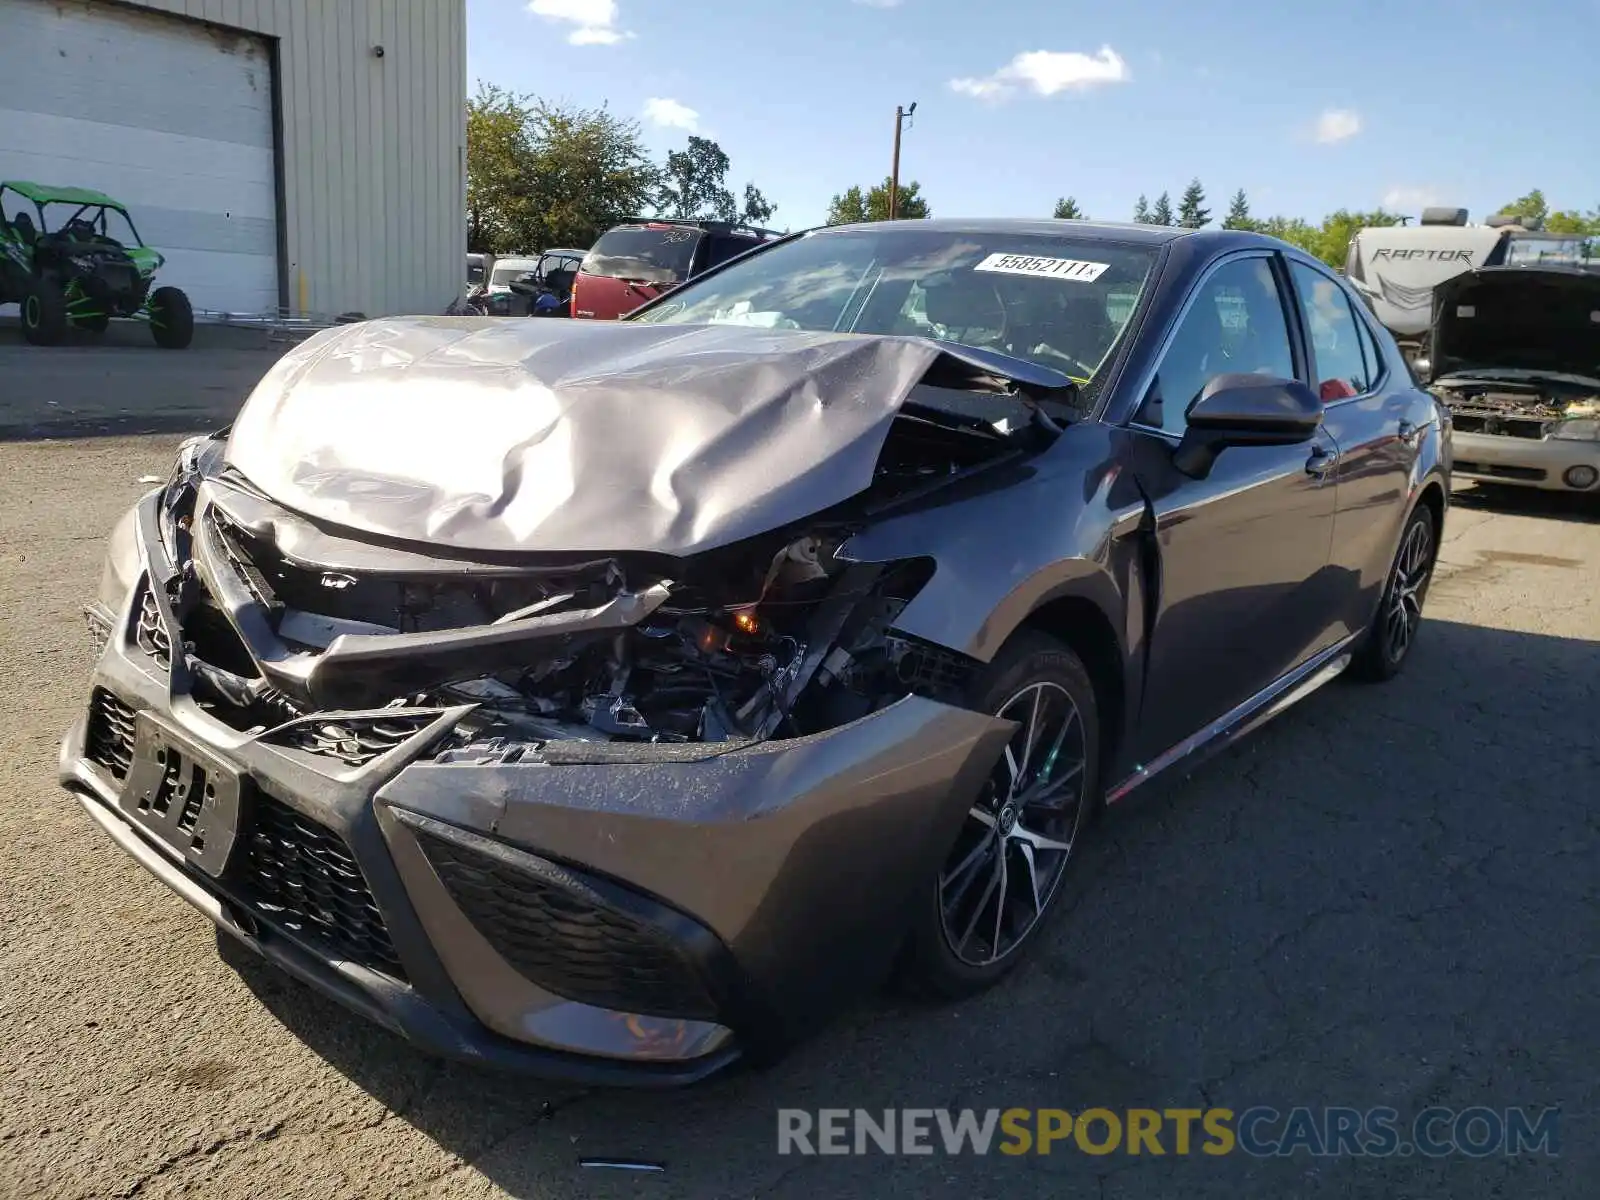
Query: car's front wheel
{"points": [[1387, 645], [1002, 877]]}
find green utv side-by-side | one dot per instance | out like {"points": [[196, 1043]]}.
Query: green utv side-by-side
{"points": [[71, 258]]}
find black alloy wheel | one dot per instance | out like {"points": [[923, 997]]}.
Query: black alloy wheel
{"points": [[1001, 877]]}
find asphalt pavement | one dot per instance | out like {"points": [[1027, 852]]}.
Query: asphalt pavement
{"points": [[1385, 898]]}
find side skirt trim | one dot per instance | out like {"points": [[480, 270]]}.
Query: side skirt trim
{"points": [[1255, 712]]}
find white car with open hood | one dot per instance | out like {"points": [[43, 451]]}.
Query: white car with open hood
{"points": [[1516, 358]]}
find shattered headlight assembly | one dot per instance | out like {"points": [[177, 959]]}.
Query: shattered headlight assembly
{"points": [[119, 574], [1577, 429]]}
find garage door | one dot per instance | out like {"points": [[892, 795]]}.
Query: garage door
{"points": [[172, 118]]}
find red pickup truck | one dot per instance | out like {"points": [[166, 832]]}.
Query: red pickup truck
{"points": [[638, 260]]}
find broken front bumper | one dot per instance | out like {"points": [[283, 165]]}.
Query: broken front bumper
{"points": [[1554, 464], [646, 919]]}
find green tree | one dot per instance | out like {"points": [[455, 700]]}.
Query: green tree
{"points": [[1067, 210], [758, 209], [1572, 221], [588, 171], [1531, 209], [1294, 231], [853, 205], [1239, 213], [1141, 210], [499, 149], [1191, 211], [1161, 214], [694, 184], [1333, 239]]}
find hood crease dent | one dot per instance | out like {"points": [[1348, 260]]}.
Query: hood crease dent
{"points": [[493, 435]]}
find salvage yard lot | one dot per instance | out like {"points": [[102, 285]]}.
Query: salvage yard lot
{"points": [[1387, 897]]}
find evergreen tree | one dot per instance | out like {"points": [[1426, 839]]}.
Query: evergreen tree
{"points": [[1161, 214], [1239, 213], [1190, 213], [1067, 210], [1141, 211]]}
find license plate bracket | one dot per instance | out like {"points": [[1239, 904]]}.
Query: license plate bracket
{"points": [[185, 795]]}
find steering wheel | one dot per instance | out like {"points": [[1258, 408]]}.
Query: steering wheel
{"points": [[1084, 370]]}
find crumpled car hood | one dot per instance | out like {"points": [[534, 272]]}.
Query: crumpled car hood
{"points": [[1518, 318], [562, 436]]}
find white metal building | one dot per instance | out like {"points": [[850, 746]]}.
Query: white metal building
{"points": [[300, 154]]}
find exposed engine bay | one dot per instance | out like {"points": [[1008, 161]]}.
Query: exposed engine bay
{"points": [[337, 646], [1514, 408]]}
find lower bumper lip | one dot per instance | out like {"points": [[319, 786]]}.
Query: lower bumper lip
{"points": [[796, 862], [393, 1006]]}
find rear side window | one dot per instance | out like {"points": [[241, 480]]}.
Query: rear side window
{"points": [[644, 255], [720, 247], [1344, 365]]}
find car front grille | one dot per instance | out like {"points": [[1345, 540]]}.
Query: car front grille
{"points": [[108, 742], [355, 740], [1530, 474], [150, 634], [297, 874], [573, 937], [1501, 425]]}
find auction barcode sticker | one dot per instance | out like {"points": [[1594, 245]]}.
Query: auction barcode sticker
{"points": [[1047, 268]]}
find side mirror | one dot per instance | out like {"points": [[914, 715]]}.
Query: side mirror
{"points": [[1245, 410]]}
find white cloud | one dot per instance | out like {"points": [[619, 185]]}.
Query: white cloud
{"points": [[594, 21], [669, 114], [595, 35], [1046, 72], [1337, 124], [1409, 199]]}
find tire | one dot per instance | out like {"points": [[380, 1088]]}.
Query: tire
{"points": [[44, 313], [1386, 646], [950, 951], [171, 319]]}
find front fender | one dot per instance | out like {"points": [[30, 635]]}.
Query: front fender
{"points": [[1001, 556]]}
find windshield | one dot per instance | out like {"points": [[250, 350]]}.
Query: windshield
{"points": [[474, 268], [89, 220], [647, 255], [1546, 251], [1058, 302], [505, 275]]}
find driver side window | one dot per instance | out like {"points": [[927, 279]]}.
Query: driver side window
{"points": [[1236, 323]]}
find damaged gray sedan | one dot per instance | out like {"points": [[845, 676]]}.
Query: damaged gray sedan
{"points": [[616, 701]]}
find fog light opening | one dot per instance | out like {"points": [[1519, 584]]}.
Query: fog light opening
{"points": [[1581, 477]]}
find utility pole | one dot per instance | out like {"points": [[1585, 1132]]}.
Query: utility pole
{"points": [[901, 116]]}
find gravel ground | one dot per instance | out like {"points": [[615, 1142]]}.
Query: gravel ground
{"points": [[1387, 897]]}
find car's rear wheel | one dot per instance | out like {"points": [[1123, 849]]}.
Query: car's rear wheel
{"points": [[1387, 645], [44, 313], [171, 318], [1002, 877]]}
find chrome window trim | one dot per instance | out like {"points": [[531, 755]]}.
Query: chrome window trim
{"points": [[1148, 376], [1358, 313]]}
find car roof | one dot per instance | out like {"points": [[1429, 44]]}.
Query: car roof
{"points": [[44, 193], [1106, 231], [705, 224], [563, 250]]}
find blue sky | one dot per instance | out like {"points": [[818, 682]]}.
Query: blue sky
{"points": [[1307, 107]]}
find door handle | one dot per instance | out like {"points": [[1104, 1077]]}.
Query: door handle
{"points": [[1407, 433], [1322, 461]]}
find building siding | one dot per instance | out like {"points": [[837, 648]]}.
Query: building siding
{"points": [[373, 148]]}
